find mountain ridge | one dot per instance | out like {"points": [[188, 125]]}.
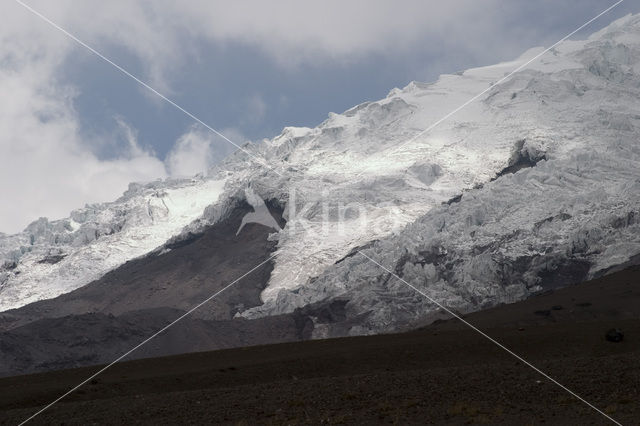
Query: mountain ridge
{"points": [[573, 113]]}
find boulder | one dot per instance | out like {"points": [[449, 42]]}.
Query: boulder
{"points": [[614, 335]]}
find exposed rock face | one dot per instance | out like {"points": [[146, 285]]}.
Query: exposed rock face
{"points": [[178, 276], [102, 320], [563, 208], [50, 258]]}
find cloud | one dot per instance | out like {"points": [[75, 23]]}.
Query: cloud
{"points": [[191, 154], [163, 32], [197, 150], [47, 168]]}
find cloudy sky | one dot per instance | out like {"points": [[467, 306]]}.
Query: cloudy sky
{"points": [[74, 130]]}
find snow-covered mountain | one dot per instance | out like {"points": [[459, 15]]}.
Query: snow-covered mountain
{"points": [[441, 208], [575, 215]]}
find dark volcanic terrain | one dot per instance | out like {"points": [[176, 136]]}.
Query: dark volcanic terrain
{"points": [[441, 374], [100, 321], [180, 275]]}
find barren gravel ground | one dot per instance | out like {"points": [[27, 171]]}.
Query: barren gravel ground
{"points": [[441, 374]]}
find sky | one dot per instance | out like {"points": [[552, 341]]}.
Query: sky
{"points": [[76, 130]]}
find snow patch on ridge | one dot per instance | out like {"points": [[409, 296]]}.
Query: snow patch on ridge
{"points": [[98, 238]]}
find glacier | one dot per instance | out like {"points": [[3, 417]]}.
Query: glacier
{"points": [[537, 180], [575, 113], [52, 258]]}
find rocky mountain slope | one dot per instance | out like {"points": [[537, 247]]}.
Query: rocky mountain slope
{"points": [[100, 321], [52, 258], [535, 184], [444, 373], [568, 126]]}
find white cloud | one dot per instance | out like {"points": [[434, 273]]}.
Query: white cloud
{"points": [[46, 169], [292, 32], [191, 154], [197, 150]]}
